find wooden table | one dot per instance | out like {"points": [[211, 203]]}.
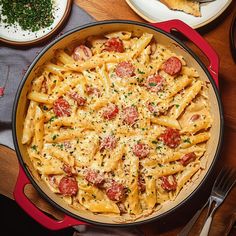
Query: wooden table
{"points": [[217, 34]]}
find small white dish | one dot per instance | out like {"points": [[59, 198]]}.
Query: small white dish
{"points": [[155, 11], [15, 35]]}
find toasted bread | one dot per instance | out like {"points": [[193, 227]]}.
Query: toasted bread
{"points": [[187, 6]]}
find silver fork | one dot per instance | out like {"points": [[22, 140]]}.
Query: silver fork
{"points": [[219, 192], [226, 179]]}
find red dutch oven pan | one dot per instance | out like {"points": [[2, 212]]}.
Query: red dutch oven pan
{"points": [[162, 33]]}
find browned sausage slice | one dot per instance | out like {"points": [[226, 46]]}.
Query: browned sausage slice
{"points": [[172, 66], [68, 186]]}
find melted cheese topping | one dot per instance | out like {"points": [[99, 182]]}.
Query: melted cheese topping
{"points": [[108, 115]]}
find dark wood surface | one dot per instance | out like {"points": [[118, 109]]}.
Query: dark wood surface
{"points": [[217, 34]]}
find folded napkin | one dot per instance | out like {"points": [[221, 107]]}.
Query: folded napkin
{"points": [[13, 64]]}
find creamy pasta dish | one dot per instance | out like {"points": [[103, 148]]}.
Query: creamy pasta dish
{"points": [[117, 124]]}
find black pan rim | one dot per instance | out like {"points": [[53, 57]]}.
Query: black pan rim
{"points": [[44, 195]]}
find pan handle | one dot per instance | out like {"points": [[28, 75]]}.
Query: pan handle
{"points": [[197, 39], [34, 212]]}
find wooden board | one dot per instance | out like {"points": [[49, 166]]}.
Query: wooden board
{"points": [[108, 10]]}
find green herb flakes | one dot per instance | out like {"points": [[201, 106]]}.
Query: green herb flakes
{"points": [[187, 140], [152, 84], [31, 15], [177, 105], [52, 118], [54, 136], [141, 72], [34, 147]]}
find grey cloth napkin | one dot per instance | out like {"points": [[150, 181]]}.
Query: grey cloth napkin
{"points": [[13, 64]]}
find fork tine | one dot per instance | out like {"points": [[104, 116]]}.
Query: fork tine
{"points": [[225, 180], [221, 177], [231, 181]]}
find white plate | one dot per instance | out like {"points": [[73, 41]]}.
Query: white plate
{"points": [[155, 11], [17, 36]]}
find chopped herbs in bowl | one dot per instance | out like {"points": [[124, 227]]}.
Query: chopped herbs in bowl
{"points": [[27, 22], [31, 15]]}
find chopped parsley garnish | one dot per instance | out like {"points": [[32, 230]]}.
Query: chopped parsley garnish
{"points": [[31, 15], [60, 146], [177, 105], [152, 84], [128, 190], [52, 118], [141, 72], [34, 147], [140, 80], [54, 136], [187, 140], [154, 142]]}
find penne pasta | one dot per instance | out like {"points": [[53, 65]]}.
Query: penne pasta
{"points": [[40, 98], [117, 125]]}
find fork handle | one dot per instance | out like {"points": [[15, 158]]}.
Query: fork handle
{"points": [[206, 227], [207, 224], [185, 231]]}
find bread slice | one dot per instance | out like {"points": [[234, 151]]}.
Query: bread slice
{"points": [[188, 6]]}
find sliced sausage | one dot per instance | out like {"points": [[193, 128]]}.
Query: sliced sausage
{"points": [[124, 69], [141, 150], [172, 66], [187, 158], [116, 191], [94, 177], [108, 143], [76, 97], [93, 91], [68, 186], [110, 111], [171, 137], [154, 83], [169, 183], [114, 45], [61, 107], [130, 115], [82, 53]]}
